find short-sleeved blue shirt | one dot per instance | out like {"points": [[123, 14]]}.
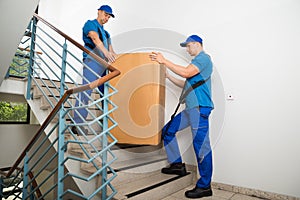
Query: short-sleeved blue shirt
{"points": [[93, 25], [200, 96]]}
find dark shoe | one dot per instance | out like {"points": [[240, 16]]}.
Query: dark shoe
{"points": [[175, 168], [199, 192], [77, 132]]}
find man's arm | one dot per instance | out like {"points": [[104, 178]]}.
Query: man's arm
{"points": [[176, 81], [99, 44], [185, 72]]}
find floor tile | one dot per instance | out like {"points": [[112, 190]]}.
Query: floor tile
{"points": [[243, 197], [217, 195], [223, 194]]}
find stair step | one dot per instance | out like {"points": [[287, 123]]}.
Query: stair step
{"points": [[138, 161], [37, 93], [127, 160], [137, 165], [76, 148], [55, 86], [53, 83], [52, 92], [54, 100], [140, 165], [68, 104], [153, 185]]}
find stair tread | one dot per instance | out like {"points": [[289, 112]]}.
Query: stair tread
{"points": [[54, 84], [131, 165], [138, 161], [146, 184]]}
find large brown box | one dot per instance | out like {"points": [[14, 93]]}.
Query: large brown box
{"points": [[140, 99]]}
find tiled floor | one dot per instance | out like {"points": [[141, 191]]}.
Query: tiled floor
{"points": [[217, 195]]}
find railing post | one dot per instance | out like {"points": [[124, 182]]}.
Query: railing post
{"points": [[25, 177], [61, 127], [63, 69], [104, 141], [31, 59], [61, 151]]}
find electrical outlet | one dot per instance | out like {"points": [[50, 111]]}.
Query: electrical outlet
{"points": [[229, 97]]}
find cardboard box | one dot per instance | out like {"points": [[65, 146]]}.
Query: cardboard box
{"points": [[140, 99]]}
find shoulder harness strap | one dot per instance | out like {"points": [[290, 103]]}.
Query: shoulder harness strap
{"points": [[192, 87]]}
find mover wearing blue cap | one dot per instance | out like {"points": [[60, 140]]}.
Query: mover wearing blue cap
{"points": [[196, 95], [97, 40]]}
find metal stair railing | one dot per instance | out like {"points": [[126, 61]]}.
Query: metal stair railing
{"points": [[47, 167], [20, 62]]}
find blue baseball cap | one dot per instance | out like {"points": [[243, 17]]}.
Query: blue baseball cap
{"points": [[107, 9], [192, 38]]}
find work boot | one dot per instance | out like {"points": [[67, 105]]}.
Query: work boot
{"points": [[199, 192], [175, 168], [77, 132]]}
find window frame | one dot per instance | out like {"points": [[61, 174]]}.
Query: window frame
{"points": [[27, 121]]}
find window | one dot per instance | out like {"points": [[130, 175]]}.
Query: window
{"points": [[14, 112]]}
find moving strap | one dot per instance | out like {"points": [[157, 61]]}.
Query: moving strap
{"points": [[182, 100], [186, 92]]}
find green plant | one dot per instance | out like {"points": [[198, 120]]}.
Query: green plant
{"points": [[13, 112]]}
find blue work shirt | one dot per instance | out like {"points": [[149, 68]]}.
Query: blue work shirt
{"points": [[200, 96], [93, 25]]}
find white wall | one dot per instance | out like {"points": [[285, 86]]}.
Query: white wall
{"points": [[13, 140], [254, 45]]}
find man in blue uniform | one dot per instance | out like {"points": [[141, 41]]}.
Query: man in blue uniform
{"points": [[98, 40], [199, 105]]}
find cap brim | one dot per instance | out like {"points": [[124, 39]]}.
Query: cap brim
{"points": [[183, 44], [112, 15]]}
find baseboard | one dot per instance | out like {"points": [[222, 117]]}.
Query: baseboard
{"points": [[252, 192]]}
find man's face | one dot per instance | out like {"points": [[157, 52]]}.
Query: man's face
{"points": [[192, 48], [103, 17]]}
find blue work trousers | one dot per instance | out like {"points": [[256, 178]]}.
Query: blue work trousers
{"points": [[198, 120], [88, 76]]}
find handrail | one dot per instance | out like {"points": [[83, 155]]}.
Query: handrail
{"points": [[113, 73]]}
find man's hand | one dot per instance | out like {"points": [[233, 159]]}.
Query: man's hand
{"points": [[158, 57], [111, 57]]}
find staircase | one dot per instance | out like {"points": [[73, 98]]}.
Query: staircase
{"points": [[137, 166]]}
